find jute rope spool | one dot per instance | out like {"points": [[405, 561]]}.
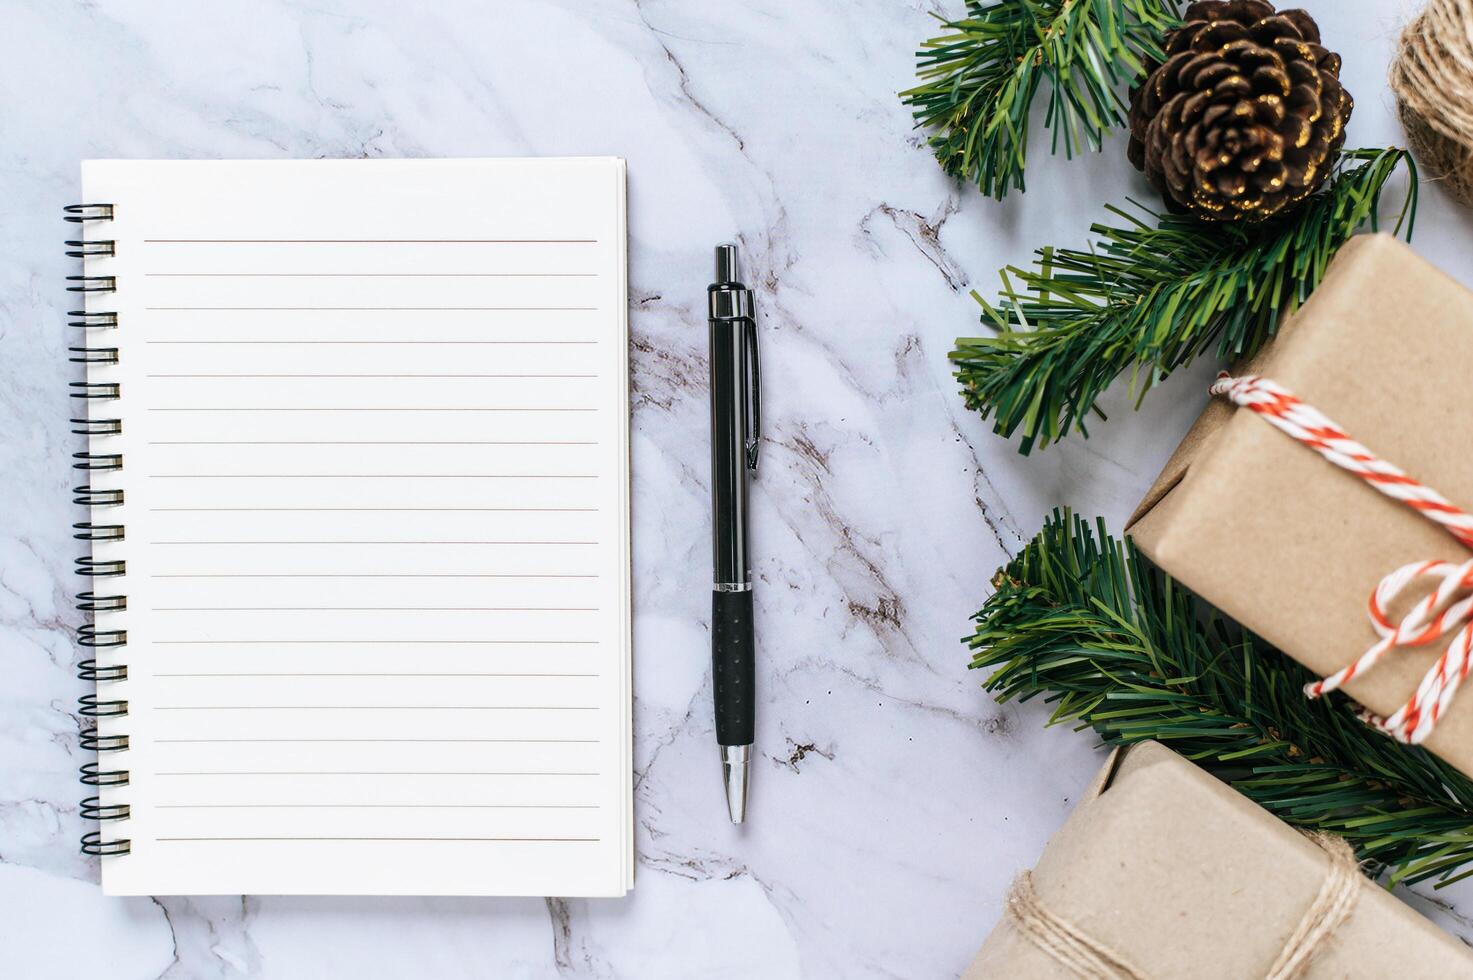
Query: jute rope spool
{"points": [[1432, 76]]}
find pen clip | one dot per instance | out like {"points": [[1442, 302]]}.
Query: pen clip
{"points": [[752, 436]]}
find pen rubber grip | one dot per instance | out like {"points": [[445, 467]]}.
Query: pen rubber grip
{"points": [[732, 669]]}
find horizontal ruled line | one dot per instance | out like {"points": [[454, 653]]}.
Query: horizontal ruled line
{"points": [[391, 741], [376, 806], [371, 309], [371, 241], [354, 408], [279, 543], [367, 575], [375, 609], [202, 642], [372, 476], [341, 673], [372, 707], [367, 442], [372, 275], [452, 840], [376, 377], [361, 772], [391, 342], [387, 510]]}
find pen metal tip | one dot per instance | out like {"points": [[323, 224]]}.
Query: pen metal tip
{"points": [[735, 771], [728, 263]]}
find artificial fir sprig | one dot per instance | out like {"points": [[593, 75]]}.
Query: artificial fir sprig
{"points": [[979, 79], [1149, 297], [1115, 645]]}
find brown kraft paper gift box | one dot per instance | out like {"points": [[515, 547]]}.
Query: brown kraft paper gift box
{"points": [[1290, 545], [1185, 877]]}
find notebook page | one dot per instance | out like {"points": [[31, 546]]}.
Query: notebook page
{"points": [[376, 507]]}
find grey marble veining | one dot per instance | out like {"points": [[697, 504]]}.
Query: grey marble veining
{"points": [[893, 801]]}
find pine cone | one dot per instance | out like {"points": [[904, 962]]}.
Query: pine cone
{"points": [[1246, 116]]}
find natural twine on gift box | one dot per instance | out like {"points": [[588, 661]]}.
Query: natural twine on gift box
{"points": [[1432, 76], [1072, 947]]}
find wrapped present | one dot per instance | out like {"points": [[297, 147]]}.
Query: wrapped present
{"points": [[1320, 502], [1164, 872]]}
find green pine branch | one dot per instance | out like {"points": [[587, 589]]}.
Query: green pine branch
{"points": [[1083, 621], [979, 80], [1149, 298]]}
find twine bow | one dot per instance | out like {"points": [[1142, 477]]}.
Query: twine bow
{"points": [[1448, 608], [1085, 956]]}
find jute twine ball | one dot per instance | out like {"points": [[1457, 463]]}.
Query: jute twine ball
{"points": [[1432, 76]]}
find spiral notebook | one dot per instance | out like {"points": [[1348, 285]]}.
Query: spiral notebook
{"points": [[357, 472]]}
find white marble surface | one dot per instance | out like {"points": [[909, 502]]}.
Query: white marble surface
{"points": [[893, 799]]}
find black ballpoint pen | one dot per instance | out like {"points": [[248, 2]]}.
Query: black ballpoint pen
{"points": [[736, 424]]}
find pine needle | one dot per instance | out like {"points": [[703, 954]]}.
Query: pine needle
{"points": [[979, 80], [1152, 293], [1084, 621]]}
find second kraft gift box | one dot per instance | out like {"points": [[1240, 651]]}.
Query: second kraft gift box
{"points": [[1174, 874]]}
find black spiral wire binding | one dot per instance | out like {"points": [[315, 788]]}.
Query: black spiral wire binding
{"points": [[97, 528]]}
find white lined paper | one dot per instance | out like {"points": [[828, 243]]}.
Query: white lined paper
{"points": [[375, 443]]}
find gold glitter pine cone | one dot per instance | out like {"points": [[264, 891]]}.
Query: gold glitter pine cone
{"points": [[1246, 116]]}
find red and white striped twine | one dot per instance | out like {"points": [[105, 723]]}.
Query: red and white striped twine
{"points": [[1449, 607]]}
